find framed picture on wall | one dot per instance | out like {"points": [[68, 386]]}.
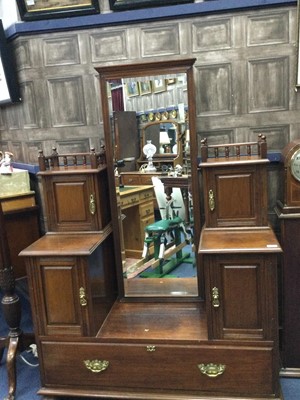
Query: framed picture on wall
{"points": [[145, 87], [9, 87], [159, 85], [118, 5], [44, 9], [132, 89]]}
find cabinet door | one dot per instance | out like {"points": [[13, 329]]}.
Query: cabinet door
{"points": [[74, 203], [56, 296], [235, 196], [241, 296]]}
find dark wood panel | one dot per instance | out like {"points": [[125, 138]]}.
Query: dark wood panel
{"points": [[241, 296], [22, 229], [291, 293]]}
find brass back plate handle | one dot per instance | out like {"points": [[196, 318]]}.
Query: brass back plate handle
{"points": [[215, 297], [96, 365], [211, 200], [82, 297], [212, 370], [92, 204]]}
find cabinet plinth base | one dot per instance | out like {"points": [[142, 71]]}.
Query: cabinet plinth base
{"points": [[290, 372], [49, 394]]}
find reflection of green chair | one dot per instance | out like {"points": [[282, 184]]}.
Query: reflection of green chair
{"points": [[158, 233]]}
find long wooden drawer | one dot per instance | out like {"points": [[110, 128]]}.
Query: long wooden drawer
{"points": [[130, 200], [131, 180], [146, 194], [248, 370]]}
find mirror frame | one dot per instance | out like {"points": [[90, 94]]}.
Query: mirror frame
{"points": [[158, 155], [169, 67]]}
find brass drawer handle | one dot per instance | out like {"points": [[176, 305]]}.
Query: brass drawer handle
{"points": [[212, 370], [151, 348], [215, 297], [211, 200], [82, 297], [96, 365], [92, 204]]}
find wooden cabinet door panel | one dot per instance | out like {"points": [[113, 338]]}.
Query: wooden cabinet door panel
{"points": [[238, 190], [76, 199], [243, 310], [68, 203], [235, 196], [60, 297], [75, 210]]}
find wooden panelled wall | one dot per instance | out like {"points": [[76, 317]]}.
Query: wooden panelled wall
{"points": [[245, 75]]}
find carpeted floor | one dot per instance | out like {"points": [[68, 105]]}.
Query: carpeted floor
{"points": [[28, 377]]}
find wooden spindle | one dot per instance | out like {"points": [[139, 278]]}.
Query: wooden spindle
{"points": [[204, 150], [54, 158], [93, 158], [41, 161]]}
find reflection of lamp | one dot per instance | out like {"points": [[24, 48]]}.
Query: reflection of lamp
{"points": [[163, 141], [149, 150]]}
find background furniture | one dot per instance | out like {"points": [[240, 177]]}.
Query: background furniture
{"points": [[162, 159], [288, 212], [16, 340], [21, 215], [137, 207]]}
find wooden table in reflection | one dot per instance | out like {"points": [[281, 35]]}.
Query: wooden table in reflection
{"points": [[183, 182], [137, 207]]}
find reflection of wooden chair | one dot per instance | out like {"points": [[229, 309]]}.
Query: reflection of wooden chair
{"points": [[168, 230]]}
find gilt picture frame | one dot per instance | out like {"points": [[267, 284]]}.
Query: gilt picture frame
{"points": [[159, 85], [132, 89], [145, 87], [31, 10], [119, 5]]}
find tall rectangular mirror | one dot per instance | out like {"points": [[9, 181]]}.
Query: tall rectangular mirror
{"points": [[151, 146]]}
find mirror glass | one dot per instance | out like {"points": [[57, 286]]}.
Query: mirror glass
{"points": [[149, 132]]}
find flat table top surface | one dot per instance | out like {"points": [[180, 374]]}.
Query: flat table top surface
{"points": [[261, 240], [61, 244]]}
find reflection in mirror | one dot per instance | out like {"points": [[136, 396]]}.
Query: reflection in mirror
{"points": [[163, 141], [149, 125]]}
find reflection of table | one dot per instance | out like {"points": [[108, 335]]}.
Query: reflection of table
{"points": [[137, 206], [183, 182]]}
